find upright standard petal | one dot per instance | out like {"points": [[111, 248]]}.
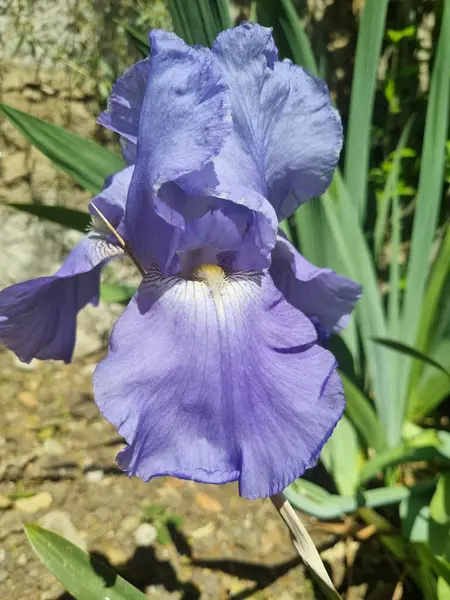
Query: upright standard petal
{"points": [[125, 102], [320, 294], [218, 379], [184, 121], [287, 136]]}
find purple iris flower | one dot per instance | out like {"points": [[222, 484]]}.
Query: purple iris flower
{"points": [[215, 371]]}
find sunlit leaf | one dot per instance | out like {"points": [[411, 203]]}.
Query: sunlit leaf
{"points": [[86, 162], [83, 576], [359, 129]]}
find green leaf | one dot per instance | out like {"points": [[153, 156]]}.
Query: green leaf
{"points": [[312, 499], [358, 142], [68, 217], [139, 39], [389, 190], [413, 352], [199, 21], [163, 534], [341, 456], [427, 396], [423, 446], [87, 163], [415, 516], [361, 413], [350, 243], [85, 577], [429, 195], [114, 292], [440, 515], [396, 35], [430, 313], [290, 38]]}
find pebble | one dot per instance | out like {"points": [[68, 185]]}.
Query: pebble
{"points": [[34, 504], [208, 504], [130, 523], [3, 575], [145, 535], [94, 476], [28, 399], [2, 554], [60, 522], [22, 560], [53, 447], [5, 502]]}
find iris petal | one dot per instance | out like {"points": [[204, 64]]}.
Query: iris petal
{"points": [[318, 293], [184, 120], [38, 317], [218, 384], [125, 104], [287, 136]]}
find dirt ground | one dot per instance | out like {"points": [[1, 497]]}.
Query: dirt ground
{"points": [[57, 467]]}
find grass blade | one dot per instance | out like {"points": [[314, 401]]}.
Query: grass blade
{"points": [[413, 352], [139, 39], [68, 217], [85, 577], [389, 190], [288, 32], [86, 162], [360, 412], [429, 194], [423, 446], [342, 455], [315, 501], [430, 308], [199, 21], [357, 148], [350, 243]]}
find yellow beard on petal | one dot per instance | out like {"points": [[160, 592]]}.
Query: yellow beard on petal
{"points": [[213, 275]]}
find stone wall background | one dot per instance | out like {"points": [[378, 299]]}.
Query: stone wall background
{"points": [[58, 59]]}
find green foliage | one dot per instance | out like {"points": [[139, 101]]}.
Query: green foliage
{"points": [[158, 515], [85, 577], [199, 21], [86, 162]]}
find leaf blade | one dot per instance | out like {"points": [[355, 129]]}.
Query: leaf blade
{"points": [[83, 576], [86, 162], [368, 49], [412, 352], [68, 217]]}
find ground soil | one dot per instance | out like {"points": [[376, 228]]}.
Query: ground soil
{"points": [[54, 440]]}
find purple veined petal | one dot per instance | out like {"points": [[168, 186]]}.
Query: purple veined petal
{"points": [[217, 382], [243, 237], [287, 136], [318, 293], [184, 121], [125, 103], [111, 201], [38, 317]]}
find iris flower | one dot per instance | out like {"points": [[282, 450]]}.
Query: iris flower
{"points": [[215, 371]]}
